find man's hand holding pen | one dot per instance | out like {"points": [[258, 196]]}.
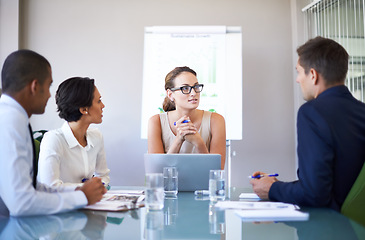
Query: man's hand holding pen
{"points": [[261, 183]]}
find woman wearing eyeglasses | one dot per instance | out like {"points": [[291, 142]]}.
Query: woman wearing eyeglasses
{"points": [[183, 128]]}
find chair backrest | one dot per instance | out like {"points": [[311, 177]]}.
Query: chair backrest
{"points": [[37, 146], [38, 140], [354, 205], [39, 134]]}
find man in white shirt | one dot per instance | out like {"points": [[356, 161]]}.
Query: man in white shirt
{"points": [[26, 78]]}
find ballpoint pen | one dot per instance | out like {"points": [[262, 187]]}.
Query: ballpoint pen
{"points": [[185, 121], [86, 179], [264, 175]]}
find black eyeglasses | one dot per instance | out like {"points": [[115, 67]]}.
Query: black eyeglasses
{"points": [[187, 89]]}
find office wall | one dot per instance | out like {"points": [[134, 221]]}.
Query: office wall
{"points": [[104, 40], [298, 38], [9, 33]]}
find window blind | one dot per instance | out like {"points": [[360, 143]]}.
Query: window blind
{"points": [[342, 21]]}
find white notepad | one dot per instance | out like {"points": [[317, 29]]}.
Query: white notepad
{"points": [[245, 205], [249, 196], [272, 215]]}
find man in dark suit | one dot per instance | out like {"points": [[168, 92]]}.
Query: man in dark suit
{"points": [[331, 132]]}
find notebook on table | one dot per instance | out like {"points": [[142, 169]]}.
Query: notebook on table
{"points": [[193, 169]]}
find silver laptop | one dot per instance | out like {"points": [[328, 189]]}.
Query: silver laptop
{"points": [[193, 169]]}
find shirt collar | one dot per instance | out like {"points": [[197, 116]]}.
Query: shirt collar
{"points": [[6, 99], [70, 138]]}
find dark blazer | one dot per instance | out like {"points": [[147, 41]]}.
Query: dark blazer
{"points": [[331, 150]]}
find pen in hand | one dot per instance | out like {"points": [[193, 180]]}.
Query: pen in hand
{"points": [[86, 179], [264, 175], [185, 121]]}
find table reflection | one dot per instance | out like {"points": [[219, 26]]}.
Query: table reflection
{"points": [[327, 224], [216, 219], [183, 217], [170, 210], [154, 225], [323, 223], [71, 225]]}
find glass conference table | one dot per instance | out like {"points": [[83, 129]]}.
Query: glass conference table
{"points": [[184, 217]]}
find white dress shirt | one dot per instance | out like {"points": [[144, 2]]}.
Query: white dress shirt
{"points": [[63, 161], [17, 194]]}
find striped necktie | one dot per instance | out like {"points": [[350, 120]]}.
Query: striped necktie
{"points": [[35, 162]]}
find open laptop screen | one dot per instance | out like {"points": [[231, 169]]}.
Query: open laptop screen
{"points": [[193, 169]]}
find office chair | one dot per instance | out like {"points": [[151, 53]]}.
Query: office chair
{"points": [[37, 141], [40, 134], [354, 205], [37, 145]]}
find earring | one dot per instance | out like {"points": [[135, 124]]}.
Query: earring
{"points": [[86, 112]]}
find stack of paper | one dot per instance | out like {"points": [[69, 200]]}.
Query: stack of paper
{"points": [[264, 211]]}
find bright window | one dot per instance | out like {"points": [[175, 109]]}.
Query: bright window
{"points": [[342, 21]]}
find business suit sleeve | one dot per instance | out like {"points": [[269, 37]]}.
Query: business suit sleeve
{"points": [[315, 155]]}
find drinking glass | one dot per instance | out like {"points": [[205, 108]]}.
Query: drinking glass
{"points": [[170, 181], [154, 191], [217, 185]]}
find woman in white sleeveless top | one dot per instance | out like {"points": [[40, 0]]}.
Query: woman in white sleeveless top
{"points": [[183, 128]]}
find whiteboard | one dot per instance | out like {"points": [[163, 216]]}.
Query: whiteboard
{"points": [[213, 52]]}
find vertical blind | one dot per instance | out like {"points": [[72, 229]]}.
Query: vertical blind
{"points": [[342, 21]]}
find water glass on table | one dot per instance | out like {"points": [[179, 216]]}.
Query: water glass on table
{"points": [[154, 199], [217, 185], [170, 181]]}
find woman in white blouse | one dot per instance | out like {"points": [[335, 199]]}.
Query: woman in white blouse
{"points": [[74, 153]]}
